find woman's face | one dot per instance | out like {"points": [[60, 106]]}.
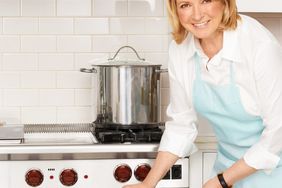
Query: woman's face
{"points": [[200, 17]]}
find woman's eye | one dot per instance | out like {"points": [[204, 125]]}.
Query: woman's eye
{"points": [[184, 5], [206, 1]]}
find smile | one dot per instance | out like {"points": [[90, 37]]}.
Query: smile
{"points": [[202, 24]]}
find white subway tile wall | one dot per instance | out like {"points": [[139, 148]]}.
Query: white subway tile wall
{"points": [[1, 25], [55, 61], [56, 26], [56, 97], [74, 7], [84, 60], [1, 96], [38, 79], [115, 8], [10, 7], [9, 80], [127, 25], [44, 43], [38, 114], [10, 43], [91, 26], [11, 114], [19, 62], [1, 59], [20, 25], [38, 43], [20, 97], [38, 7], [80, 114], [73, 79], [146, 8], [82, 97], [74, 43], [108, 43]]}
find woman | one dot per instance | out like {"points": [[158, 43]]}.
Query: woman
{"points": [[228, 68]]}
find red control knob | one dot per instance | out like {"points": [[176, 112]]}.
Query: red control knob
{"points": [[122, 173], [68, 177], [34, 177], [142, 171]]}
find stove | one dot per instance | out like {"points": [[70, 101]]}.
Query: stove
{"points": [[85, 156]]}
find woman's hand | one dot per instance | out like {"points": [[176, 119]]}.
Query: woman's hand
{"points": [[212, 183], [139, 185]]}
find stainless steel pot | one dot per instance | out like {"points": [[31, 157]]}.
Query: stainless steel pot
{"points": [[128, 92]]}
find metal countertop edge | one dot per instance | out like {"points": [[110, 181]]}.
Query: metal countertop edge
{"points": [[201, 142]]}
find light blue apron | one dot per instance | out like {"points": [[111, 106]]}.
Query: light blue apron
{"points": [[235, 129]]}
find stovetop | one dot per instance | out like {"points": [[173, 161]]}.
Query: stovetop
{"points": [[89, 134], [78, 141]]}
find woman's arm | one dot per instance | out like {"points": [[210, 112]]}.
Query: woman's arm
{"points": [[162, 164], [236, 172], [267, 71]]}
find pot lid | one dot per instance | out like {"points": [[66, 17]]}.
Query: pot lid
{"points": [[126, 63]]}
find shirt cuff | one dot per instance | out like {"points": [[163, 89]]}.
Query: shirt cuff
{"points": [[177, 144], [261, 159]]}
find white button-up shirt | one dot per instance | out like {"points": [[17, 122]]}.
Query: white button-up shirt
{"points": [[257, 62]]}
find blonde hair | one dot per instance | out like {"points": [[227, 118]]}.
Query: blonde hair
{"points": [[179, 33]]}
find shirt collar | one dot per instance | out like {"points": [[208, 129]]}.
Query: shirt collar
{"points": [[231, 49], [189, 46]]}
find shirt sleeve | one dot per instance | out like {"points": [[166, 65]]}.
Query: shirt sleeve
{"points": [[268, 77], [180, 133]]}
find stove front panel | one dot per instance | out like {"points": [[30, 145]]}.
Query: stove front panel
{"points": [[88, 173]]}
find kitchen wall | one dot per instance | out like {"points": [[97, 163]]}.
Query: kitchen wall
{"points": [[44, 43]]}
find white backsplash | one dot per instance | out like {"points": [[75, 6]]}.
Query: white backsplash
{"points": [[44, 43]]}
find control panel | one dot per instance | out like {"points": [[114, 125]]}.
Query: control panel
{"points": [[87, 173]]}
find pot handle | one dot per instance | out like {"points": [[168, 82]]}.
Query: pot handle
{"points": [[88, 70], [142, 59], [161, 70]]}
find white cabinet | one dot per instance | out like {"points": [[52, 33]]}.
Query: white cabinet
{"points": [[259, 6], [201, 164], [208, 161]]}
